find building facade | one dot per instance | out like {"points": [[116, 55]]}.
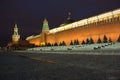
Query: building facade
{"points": [[95, 28]]}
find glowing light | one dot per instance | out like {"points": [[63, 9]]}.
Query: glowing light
{"points": [[74, 24], [92, 19], [36, 36], [101, 17], [116, 11], [82, 22], [60, 28], [67, 27], [42, 43], [31, 37], [15, 36], [53, 30]]}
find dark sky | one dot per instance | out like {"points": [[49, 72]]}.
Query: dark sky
{"points": [[29, 14]]}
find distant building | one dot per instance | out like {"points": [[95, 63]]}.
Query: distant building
{"points": [[18, 43], [100, 28], [15, 36]]}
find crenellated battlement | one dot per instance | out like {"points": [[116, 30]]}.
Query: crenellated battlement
{"points": [[104, 18]]}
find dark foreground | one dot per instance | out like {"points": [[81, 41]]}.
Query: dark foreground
{"points": [[33, 66]]}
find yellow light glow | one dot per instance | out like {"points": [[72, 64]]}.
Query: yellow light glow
{"points": [[92, 19], [108, 14], [53, 30], [42, 43], [116, 11], [82, 22], [67, 27], [101, 17], [60, 28]]}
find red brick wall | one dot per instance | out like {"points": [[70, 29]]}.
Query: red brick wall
{"points": [[111, 30], [82, 33]]}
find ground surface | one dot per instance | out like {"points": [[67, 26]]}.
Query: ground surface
{"points": [[34, 66]]}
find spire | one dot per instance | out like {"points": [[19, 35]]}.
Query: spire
{"points": [[15, 25], [45, 25], [15, 30], [45, 21]]}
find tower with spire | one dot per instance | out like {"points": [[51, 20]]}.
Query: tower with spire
{"points": [[45, 30], [45, 27], [15, 36]]}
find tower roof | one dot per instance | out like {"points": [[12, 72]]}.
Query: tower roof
{"points": [[15, 25], [45, 21], [45, 25]]}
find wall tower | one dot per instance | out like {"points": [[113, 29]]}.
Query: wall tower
{"points": [[45, 27], [15, 36], [45, 30]]}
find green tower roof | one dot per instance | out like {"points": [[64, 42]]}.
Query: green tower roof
{"points": [[45, 25]]}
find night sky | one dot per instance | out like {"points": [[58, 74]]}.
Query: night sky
{"points": [[29, 14]]}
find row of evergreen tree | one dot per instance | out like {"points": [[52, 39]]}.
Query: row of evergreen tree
{"points": [[88, 41]]}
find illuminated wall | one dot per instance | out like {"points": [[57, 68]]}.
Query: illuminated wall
{"points": [[94, 27], [111, 30], [34, 39]]}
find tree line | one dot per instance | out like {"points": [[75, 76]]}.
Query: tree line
{"points": [[88, 41]]}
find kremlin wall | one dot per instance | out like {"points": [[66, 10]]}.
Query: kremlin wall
{"points": [[96, 27]]}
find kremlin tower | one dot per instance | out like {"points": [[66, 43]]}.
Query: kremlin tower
{"points": [[45, 30], [15, 36], [18, 43], [45, 27]]}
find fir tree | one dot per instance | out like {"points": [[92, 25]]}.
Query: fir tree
{"points": [[48, 44], [118, 39], [105, 40], [55, 44], [87, 41], [83, 42], [71, 43], [60, 44], [99, 40], [63, 43], [76, 42], [110, 41], [91, 41]]}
